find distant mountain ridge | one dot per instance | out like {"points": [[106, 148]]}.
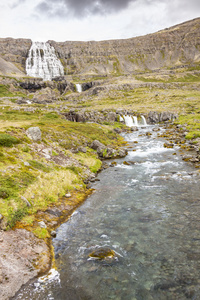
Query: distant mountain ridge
{"points": [[175, 46]]}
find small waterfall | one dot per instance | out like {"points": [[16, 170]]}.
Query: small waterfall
{"points": [[144, 120], [42, 62], [129, 121], [121, 119], [135, 121], [79, 87]]}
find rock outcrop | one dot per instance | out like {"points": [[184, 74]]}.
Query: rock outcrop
{"points": [[155, 117]]}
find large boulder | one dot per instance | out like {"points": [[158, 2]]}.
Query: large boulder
{"points": [[96, 145], [34, 133]]}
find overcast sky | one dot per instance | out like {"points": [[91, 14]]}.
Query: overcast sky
{"points": [[83, 20]]}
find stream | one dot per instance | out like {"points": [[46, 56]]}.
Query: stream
{"points": [[148, 213]]}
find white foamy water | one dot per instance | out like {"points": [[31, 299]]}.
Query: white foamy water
{"points": [[42, 62], [79, 87], [129, 121], [135, 121], [144, 121]]}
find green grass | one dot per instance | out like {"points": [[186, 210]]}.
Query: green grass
{"points": [[4, 92]]}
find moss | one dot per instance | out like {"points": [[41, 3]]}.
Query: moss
{"points": [[193, 135], [41, 233]]}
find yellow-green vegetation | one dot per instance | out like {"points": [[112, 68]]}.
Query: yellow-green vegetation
{"points": [[30, 182], [4, 92], [192, 123], [90, 160]]}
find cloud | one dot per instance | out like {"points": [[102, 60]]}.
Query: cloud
{"points": [[82, 8], [15, 4]]}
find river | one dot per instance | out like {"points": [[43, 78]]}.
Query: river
{"points": [[148, 213]]}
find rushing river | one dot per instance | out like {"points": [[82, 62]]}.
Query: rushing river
{"points": [[148, 212]]}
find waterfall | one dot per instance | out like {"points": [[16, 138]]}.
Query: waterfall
{"points": [[79, 87], [144, 120], [129, 121], [42, 62], [121, 119], [135, 121]]}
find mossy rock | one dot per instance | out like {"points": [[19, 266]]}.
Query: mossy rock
{"points": [[102, 253], [126, 163]]}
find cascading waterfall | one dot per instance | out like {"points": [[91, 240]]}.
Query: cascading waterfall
{"points": [[135, 121], [42, 62], [129, 121], [79, 87], [144, 120]]}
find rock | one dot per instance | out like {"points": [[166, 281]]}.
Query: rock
{"points": [[82, 149], [126, 163], [53, 233], [26, 164], [122, 152], [68, 195], [148, 133], [34, 133], [134, 128], [111, 116], [153, 117], [47, 152], [168, 145], [26, 201], [96, 145], [1, 217], [117, 130], [42, 224], [102, 253]]}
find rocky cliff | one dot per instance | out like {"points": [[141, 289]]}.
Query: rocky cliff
{"points": [[174, 46]]}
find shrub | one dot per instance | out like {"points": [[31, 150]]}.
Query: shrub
{"points": [[7, 140]]}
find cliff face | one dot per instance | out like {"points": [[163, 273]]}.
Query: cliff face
{"points": [[14, 51], [174, 46], [170, 47]]}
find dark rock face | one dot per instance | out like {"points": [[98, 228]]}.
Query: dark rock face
{"points": [[91, 116], [155, 117], [33, 85], [88, 85]]}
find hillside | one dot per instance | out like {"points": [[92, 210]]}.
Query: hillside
{"points": [[175, 46]]}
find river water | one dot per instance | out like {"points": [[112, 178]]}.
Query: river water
{"points": [[148, 213]]}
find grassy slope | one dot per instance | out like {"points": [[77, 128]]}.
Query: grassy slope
{"points": [[24, 170]]}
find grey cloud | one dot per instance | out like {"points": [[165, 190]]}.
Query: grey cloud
{"points": [[84, 8], [17, 3], [81, 8]]}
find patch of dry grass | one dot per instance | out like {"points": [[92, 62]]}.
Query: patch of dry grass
{"points": [[49, 187]]}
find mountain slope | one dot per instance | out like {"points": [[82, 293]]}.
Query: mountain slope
{"points": [[175, 46]]}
